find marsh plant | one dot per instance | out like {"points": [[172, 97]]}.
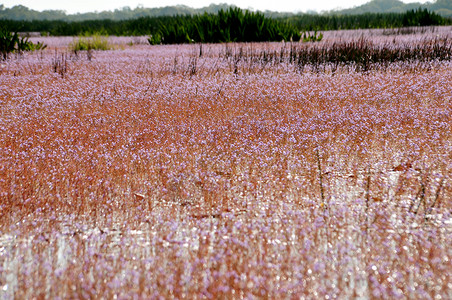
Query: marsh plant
{"points": [[361, 54], [11, 42], [150, 174]]}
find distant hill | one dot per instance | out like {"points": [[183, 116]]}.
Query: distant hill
{"points": [[382, 6], [20, 12], [441, 7]]}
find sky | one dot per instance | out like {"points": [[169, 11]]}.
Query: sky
{"points": [[82, 6]]}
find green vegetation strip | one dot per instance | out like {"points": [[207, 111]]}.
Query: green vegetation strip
{"points": [[233, 24]]}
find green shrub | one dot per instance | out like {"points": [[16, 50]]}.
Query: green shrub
{"points": [[23, 44], [155, 39], [94, 42], [8, 42]]}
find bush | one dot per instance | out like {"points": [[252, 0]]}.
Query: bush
{"points": [[155, 39], [8, 42], [94, 42]]}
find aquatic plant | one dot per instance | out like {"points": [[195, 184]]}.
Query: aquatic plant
{"points": [[172, 172]]}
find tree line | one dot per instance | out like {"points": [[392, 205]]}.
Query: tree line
{"points": [[414, 17], [233, 24]]}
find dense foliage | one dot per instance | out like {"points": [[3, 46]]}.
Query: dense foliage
{"points": [[233, 25]]}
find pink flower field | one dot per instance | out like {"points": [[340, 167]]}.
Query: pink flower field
{"points": [[226, 171]]}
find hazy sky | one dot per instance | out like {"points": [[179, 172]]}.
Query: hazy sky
{"points": [[100, 5]]}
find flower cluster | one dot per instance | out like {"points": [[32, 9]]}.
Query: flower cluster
{"points": [[164, 171]]}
